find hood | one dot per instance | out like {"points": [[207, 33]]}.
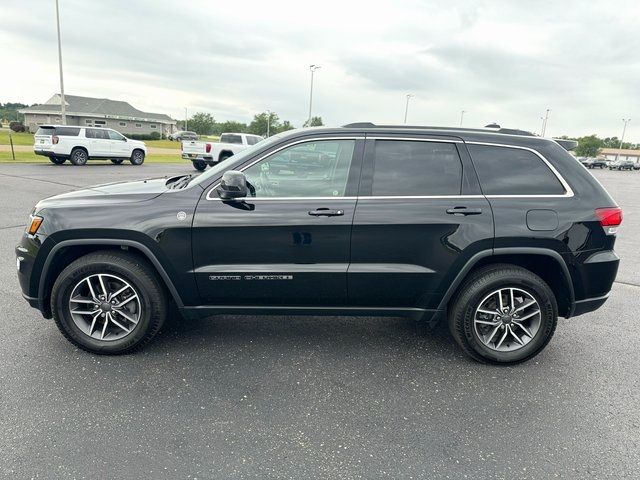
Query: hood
{"points": [[117, 192]]}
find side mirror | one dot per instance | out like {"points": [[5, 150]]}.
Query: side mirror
{"points": [[233, 185]]}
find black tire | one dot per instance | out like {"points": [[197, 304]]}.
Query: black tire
{"points": [[117, 161], [480, 284], [79, 156], [137, 157], [153, 300], [57, 160], [199, 165], [224, 156]]}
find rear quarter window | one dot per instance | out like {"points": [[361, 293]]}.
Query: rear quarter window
{"points": [[67, 131], [513, 171]]}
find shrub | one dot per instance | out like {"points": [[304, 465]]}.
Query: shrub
{"points": [[144, 136], [17, 127]]}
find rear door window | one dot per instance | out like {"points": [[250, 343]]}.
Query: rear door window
{"points": [[513, 171], [416, 168]]}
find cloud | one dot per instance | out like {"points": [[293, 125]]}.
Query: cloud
{"points": [[500, 60]]}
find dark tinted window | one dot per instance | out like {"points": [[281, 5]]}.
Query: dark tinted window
{"points": [[252, 140], [67, 131], [416, 168], [228, 138], [45, 131], [97, 133], [512, 171]]}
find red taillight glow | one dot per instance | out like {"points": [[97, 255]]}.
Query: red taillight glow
{"points": [[207, 148], [55, 139], [609, 217]]}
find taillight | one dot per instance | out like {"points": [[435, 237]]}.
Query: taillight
{"points": [[610, 218], [207, 148], [55, 139]]}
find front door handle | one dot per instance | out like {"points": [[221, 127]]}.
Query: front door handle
{"points": [[464, 211], [326, 212]]}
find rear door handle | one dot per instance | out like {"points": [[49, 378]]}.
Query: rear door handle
{"points": [[326, 212], [464, 211]]}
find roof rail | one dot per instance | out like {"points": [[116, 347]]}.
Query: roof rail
{"points": [[507, 131]]}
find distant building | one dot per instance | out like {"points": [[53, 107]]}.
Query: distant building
{"points": [[97, 112], [624, 154]]}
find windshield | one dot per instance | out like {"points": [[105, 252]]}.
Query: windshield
{"points": [[237, 159]]}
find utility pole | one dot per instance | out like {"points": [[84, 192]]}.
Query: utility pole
{"points": [[186, 118], [406, 107], [624, 130], [312, 68], [544, 122], [62, 101], [462, 116]]}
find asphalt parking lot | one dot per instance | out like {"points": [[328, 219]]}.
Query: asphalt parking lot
{"points": [[296, 397]]}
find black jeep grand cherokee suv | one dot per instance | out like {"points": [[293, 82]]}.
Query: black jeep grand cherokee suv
{"points": [[499, 232]]}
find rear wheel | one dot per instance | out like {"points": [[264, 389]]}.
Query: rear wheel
{"points": [[108, 303], [57, 160], [503, 314], [137, 157], [79, 156], [117, 161], [199, 165], [224, 156]]}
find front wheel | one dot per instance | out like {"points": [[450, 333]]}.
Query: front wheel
{"points": [[108, 303], [503, 314], [137, 157], [199, 165]]}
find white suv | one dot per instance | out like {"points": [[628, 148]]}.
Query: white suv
{"points": [[79, 144]]}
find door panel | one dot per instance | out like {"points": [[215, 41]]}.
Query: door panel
{"points": [[420, 216], [290, 244], [272, 252]]}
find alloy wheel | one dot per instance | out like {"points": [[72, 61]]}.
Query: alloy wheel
{"points": [[507, 319], [105, 307]]}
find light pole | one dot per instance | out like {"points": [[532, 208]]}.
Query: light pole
{"points": [[268, 121], [462, 116], [624, 130], [186, 118], [312, 68], [406, 107], [62, 102], [544, 122]]}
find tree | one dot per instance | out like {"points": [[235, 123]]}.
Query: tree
{"points": [[589, 146], [201, 123], [314, 122], [286, 125], [229, 127], [259, 124]]}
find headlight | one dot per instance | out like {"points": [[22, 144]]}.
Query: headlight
{"points": [[36, 221]]}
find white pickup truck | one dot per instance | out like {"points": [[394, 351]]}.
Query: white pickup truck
{"points": [[211, 153]]}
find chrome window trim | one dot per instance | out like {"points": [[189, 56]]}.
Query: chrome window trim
{"points": [[568, 192], [262, 157]]}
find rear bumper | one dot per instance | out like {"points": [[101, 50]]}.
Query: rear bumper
{"points": [[199, 158], [589, 304]]}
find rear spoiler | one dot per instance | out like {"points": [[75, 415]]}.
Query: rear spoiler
{"points": [[566, 144]]}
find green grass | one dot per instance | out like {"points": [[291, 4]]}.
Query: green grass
{"points": [[29, 157], [18, 138]]}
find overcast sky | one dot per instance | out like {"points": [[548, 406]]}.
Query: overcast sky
{"points": [[503, 61]]}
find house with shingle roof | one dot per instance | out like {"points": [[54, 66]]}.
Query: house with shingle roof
{"points": [[97, 112]]}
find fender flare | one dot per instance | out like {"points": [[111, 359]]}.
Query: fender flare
{"points": [[496, 252], [146, 251]]}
